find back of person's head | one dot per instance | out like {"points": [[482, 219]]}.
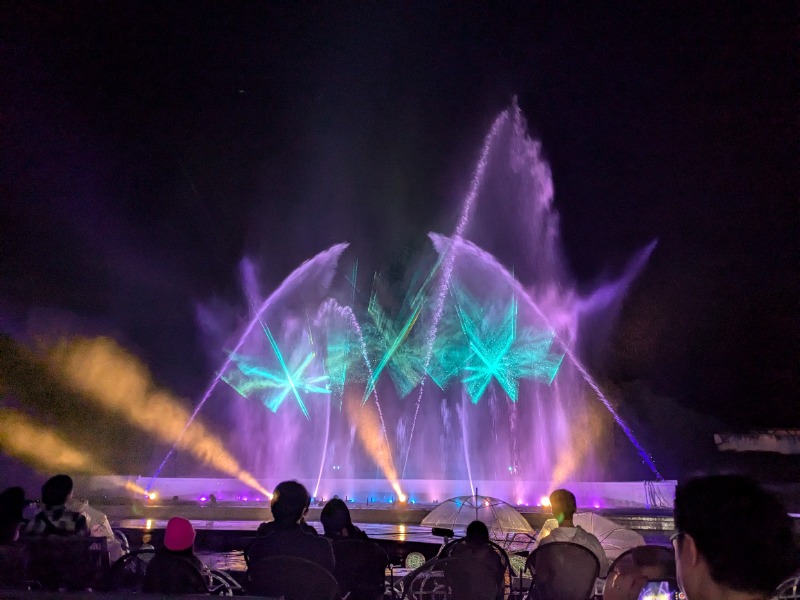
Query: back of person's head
{"points": [[563, 505], [289, 501], [12, 504], [335, 516], [477, 533], [743, 533], [179, 535], [56, 490]]}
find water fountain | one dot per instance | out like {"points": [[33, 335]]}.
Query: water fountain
{"points": [[475, 380]]}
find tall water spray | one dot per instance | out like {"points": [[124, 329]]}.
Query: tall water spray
{"points": [[478, 374]]}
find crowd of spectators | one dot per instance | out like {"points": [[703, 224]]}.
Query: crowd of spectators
{"points": [[733, 541]]}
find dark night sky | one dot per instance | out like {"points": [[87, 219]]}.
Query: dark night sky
{"points": [[147, 147]]}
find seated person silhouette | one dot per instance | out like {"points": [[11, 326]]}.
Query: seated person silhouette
{"points": [[13, 558], [55, 518], [477, 545], [635, 569], [337, 523], [175, 568], [287, 534], [564, 507]]}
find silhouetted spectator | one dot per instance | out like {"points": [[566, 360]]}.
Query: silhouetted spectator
{"points": [[175, 569], [734, 539], [287, 535], [55, 518], [293, 493], [337, 523], [12, 503], [477, 545], [635, 569], [13, 558], [564, 507]]}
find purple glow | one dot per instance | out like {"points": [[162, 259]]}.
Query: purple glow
{"points": [[434, 430]]}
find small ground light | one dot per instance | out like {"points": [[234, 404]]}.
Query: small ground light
{"points": [[151, 496], [544, 501], [203, 499]]}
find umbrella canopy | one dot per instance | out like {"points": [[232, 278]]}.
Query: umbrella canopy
{"points": [[456, 513], [614, 539]]}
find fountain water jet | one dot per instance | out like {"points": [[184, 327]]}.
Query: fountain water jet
{"points": [[478, 333]]}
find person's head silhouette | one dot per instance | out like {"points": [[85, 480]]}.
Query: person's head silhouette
{"points": [[56, 490], [477, 533], [563, 506], [290, 501], [733, 538], [335, 517]]}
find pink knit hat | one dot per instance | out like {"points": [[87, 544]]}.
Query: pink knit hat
{"points": [[179, 534]]}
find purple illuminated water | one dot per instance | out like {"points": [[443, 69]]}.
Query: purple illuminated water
{"points": [[506, 245]]}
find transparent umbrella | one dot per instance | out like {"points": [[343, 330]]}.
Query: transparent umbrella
{"points": [[500, 517], [614, 538]]}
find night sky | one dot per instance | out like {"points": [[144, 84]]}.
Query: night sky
{"points": [[148, 147]]}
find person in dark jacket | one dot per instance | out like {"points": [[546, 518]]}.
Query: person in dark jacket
{"points": [[288, 534], [13, 558], [175, 568]]}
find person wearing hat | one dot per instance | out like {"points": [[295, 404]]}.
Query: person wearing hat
{"points": [[175, 568], [55, 518]]}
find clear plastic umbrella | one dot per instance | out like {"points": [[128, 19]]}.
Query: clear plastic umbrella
{"points": [[614, 538], [500, 517]]}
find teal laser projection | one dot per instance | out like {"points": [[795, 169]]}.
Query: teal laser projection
{"points": [[272, 386], [500, 351], [478, 342]]}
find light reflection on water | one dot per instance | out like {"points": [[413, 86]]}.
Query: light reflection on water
{"points": [[382, 531]]}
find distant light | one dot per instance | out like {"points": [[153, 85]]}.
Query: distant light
{"points": [[487, 503], [148, 524], [519, 502], [402, 498], [596, 505], [544, 501], [258, 499], [244, 498], [203, 499], [151, 496]]}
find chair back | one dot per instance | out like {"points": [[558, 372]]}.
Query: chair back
{"points": [[128, 572], [360, 568], [67, 563], [562, 571], [461, 578], [173, 574], [13, 567], [291, 577]]}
